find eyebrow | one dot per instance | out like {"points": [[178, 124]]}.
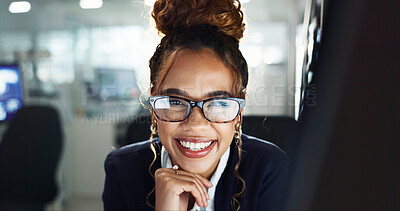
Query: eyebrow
{"points": [[219, 93], [174, 91], [183, 93]]}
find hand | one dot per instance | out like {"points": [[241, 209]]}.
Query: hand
{"points": [[172, 190]]}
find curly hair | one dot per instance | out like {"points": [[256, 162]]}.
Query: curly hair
{"points": [[195, 24]]}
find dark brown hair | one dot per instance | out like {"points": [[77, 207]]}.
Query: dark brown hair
{"points": [[197, 24]]}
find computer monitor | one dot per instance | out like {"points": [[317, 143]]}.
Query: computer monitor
{"points": [[117, 84], [11, 91]]}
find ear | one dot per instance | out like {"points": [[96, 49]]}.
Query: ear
{"points": [[239, 118]]}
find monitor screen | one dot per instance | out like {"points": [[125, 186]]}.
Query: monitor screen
{"points": [[117, 84], [11, 91]]}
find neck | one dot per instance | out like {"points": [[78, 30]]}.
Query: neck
{"points": [[208, 174]]}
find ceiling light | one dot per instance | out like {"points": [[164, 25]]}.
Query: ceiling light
{"points": [[19, 7], [91, 4]]}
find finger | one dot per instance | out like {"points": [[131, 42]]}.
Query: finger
{"points": [[203, 180], [188, 186], [191, 178], [202, 186], [206, 196]]}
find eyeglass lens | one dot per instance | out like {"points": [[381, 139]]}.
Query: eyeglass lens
{"points": [[175, 109]]}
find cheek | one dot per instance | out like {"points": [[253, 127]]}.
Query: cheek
{"points": [[165, 131], [225, 132]]}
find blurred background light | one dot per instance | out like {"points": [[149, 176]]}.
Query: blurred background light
{"points": [[149, 3], [83, 44], [252, 55], [19, 7], [13, 104], [91, 4], [256, 37], [108, 48], [273, 55], [43, 74], [3, 88]]}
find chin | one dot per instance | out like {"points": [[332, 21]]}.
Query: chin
{"points": [[198, 167]]}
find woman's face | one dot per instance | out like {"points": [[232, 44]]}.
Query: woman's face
{"points": [[197, 75]]}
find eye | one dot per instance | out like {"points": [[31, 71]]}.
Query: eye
{"points": [[219, 103], [175, 102]]}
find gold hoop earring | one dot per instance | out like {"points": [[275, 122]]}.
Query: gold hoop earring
{"points": [[153, 128]]}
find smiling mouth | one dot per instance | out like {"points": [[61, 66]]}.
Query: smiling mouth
{"points": [[192, 146], [195, 147]]}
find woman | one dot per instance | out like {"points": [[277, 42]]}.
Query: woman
{"points": [[200, 159]]}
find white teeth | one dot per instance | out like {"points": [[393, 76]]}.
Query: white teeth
{"points": [[195, 146]]}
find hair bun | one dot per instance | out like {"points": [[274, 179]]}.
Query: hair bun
{"points": [[224, 14]]}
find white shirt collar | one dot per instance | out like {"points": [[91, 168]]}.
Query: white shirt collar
{"points": [[166, 163]]}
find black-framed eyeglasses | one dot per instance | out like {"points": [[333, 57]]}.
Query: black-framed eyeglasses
{"points": [[177, 109]]}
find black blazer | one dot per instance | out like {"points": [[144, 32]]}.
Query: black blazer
{"points": [[263, 167]]}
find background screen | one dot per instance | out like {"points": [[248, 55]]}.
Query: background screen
{"points": [[11, 95]]}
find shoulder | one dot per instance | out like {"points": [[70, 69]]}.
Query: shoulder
{"points": [[256, 145], [140, 151], [262, 152], [128, 181], [264, 168]]}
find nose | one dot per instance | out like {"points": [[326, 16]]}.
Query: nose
{"points": [[196, 119]]}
